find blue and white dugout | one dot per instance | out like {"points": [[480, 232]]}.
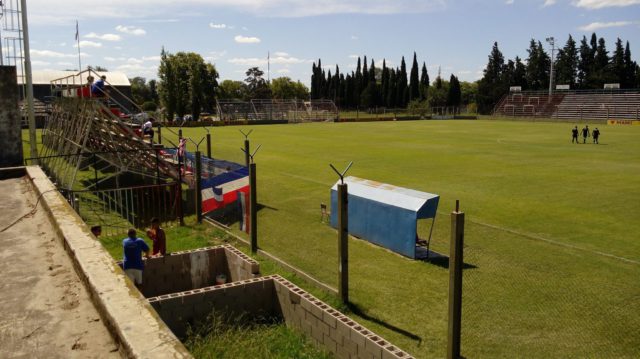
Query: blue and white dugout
{"points": [[385, 214]]}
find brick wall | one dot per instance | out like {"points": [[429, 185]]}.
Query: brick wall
{"points": [[193, 269], [275, 296]]}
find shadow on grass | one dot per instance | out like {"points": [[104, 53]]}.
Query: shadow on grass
{"points": [[437, 259], [355, 309]]}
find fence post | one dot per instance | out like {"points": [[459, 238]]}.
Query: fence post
{"points": [[209, 145], [160, 133], [157, 166], [253, 201], [179, 134], [343, 242], [198, 186], [179, 191], [246, 152], [455, 282]]}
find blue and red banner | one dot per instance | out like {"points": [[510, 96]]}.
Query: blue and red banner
{"points": [[224, 188]]}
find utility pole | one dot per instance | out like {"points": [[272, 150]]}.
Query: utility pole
{"points": [[343, 236], [551, 42]]}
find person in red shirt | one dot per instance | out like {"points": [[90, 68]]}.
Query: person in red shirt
{"points": [[158, 237]]}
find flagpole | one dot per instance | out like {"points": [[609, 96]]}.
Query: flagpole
{"points": [[78, 40]]}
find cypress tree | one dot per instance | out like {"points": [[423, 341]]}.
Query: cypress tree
{"points": [[424, 83], [392, 92], [490, 87], [414, 81], [602, 65], [629, 66], [519, 74], [585, 65], [402, 88], [454, 95], [384, 83], [357, 85], [567, 64], [365, 74]]}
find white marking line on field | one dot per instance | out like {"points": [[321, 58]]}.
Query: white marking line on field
{"points": [[531, 236]]}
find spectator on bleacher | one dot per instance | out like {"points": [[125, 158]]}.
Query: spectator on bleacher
{"points": [[97, 89], [85, 91], [147, 129], [585, 134], [574, 135], [596, 134]]}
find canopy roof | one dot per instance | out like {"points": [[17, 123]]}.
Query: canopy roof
{"points": [[422, 202], [45, 77]]}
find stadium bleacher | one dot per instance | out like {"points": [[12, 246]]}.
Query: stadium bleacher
{"points": [[596, 105]]}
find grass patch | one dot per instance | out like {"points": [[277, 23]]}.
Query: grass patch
{"points": [[244, 338]]}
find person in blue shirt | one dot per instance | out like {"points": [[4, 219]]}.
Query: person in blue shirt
{"points": [[97, 89], [133, 248]]}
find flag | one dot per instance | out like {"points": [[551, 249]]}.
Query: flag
{"points": [[223, 189], [77, 31]]}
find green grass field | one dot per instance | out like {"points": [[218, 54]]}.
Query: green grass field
{"points": [[552, 229]]}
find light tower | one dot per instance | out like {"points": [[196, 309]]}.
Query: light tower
{"points": [[551, 42]]}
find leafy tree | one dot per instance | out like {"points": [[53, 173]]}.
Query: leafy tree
{"points": [[257, 86], [187, 84], [618, 64], [414, 81], [285, 88], [630, 67], [469, 92], [519, 74], [491, 86], [391, 100], [100, 68], [538, 64], [603, 73], [232, 90], [140, 92], [567, 64], [585, 64]]}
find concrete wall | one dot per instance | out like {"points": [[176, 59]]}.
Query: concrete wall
{"points": [[130, 319], [273, 295], [193, 269], [10, 130]]}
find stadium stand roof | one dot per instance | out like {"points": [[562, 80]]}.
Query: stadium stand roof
{"points": [[45, 77]]}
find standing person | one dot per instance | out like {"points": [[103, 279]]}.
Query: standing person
{"points": [[158, 238], [133, 247], [596, 134], [96, 230], [574, 135], [585, 134]]}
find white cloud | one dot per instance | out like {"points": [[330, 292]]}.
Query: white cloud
{"points": [[353, 56], [57, 12], [40, 63], [215, 55], [104, 37], [64, 63], [603, 25], [280, 54], [63, 44], [354, 37], [217, 26], [131, 30], [87, 43], [509, 2], [548, 3], [246, 39], [283, 71], [599, 4], [256, 61], [53, 54], [151, 58]]}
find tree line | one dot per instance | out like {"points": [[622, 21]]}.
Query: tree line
{"points": [[369, 86], [587, 66]]}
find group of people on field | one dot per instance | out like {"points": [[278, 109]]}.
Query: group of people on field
{"points": [[595, 134], [134, 247]]}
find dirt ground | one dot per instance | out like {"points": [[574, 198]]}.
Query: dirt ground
{"points": [[45, 311]]}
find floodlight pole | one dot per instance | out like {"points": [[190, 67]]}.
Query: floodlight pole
{"points": [[343, 236], [28, 74], [551, 42], [455, 282]]}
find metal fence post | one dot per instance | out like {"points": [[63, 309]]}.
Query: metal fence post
{"points": [[209, 145], [343, 242], [246, 152], [198, 186], [253, 201], [160, 133], [455, 282]]}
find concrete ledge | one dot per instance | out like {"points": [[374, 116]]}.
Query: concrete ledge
{"points": [[131, 320]]}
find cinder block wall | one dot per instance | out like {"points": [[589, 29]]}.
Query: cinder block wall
{"points": [[251, 297], [275, 296], [193, 269]]}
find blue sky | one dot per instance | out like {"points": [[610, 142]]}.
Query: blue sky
{"points": [[237, 34]]}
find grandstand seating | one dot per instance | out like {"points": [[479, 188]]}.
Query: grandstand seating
{"points": [[267, 109], [596, 105]]}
